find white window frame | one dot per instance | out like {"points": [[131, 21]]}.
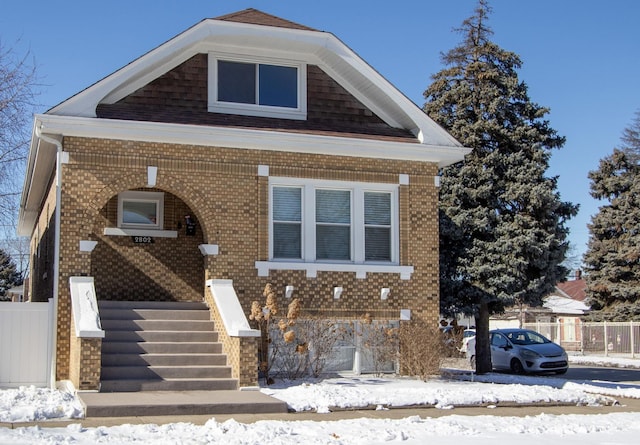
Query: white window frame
{"points": [[310, 197], [299, 113], [357, 264], [138, 196]]}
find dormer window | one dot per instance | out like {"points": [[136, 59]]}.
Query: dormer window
{"points": [[257, 87]]}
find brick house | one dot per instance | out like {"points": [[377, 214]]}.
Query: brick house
{"points": [[246, 150]]}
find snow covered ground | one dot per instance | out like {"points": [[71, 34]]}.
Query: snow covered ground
{"points": [[28, 404]]}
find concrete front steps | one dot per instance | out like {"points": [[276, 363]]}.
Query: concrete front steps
{"points": [[161, 346], [164, 359]]}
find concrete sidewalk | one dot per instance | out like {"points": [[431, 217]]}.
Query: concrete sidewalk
{"points": [[625, 405], [182, 403]]}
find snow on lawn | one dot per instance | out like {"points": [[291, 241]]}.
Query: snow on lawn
{"points": [[363, 392], [620, 428], [29, 404]]}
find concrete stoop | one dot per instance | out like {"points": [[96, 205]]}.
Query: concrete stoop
{"points": [[161, 346], [178, 403], [165, 359]]}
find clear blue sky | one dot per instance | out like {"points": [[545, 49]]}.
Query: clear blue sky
{"points": [[581, 58]]}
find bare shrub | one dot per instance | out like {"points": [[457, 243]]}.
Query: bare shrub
{"points": [[421, 348], [296, 346], [323, 334], [380, 341], [263, 317], [306, 345]]}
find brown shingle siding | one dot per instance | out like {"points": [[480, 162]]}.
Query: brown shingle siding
{"points": [[256, 17], [181, 97]]}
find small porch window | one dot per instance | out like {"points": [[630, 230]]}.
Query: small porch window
{"points": [[141, 210]]}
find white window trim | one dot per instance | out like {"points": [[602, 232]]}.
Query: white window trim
{"points": [[357, 264], [312, 269], [114, 231], [157, 197], [299, 113]]}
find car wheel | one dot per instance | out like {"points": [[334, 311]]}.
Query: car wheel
{"points": [[472, 362], [516, 366]]}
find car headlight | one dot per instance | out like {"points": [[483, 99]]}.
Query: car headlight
{"points": [[529, 354]]}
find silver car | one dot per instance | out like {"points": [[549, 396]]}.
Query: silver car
{"points": [[522, 350]]}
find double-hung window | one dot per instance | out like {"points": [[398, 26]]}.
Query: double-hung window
{"points": [[328, 221], [287, 222], [257, 87], [377, 226], [333, 224]]}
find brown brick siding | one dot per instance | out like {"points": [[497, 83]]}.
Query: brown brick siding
{"points": [[42, 250], [169, 269], [221, 189], [241, 351], [85, 362], [42, 277]]}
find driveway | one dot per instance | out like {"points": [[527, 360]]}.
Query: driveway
{"points": [[599, 373]]}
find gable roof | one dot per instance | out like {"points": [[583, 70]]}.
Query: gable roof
{"points": [[568, 298], [574, 289], [254, 31], [256, 17], [562, 305], [248, 32]]}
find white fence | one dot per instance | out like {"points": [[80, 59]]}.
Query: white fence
{"points": [[25, 344], [606, 338]]}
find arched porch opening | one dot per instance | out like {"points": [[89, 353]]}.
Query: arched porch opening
{"points": [[148, 260]]}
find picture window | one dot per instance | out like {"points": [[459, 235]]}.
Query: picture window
{"points": [[322, 221]]}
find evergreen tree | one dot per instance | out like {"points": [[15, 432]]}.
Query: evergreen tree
{"points": [[613, 255], [9, 276], [502, 232]]}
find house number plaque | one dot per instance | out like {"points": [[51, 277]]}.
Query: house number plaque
{"points": [[142, 239]]}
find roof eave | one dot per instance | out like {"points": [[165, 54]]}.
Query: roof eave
{"points": [[250, 139], [41, 160], [314, 47]]}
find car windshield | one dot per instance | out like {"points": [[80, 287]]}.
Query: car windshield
{"points": [[526, 338]]}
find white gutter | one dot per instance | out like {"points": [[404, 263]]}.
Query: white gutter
{"points": [[252, 139], [56, 249]]}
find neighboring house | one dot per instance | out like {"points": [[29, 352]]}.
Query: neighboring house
{"points": [[246, 150], [566, 308], [16, 294], [559, 318], [568, 300]]}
